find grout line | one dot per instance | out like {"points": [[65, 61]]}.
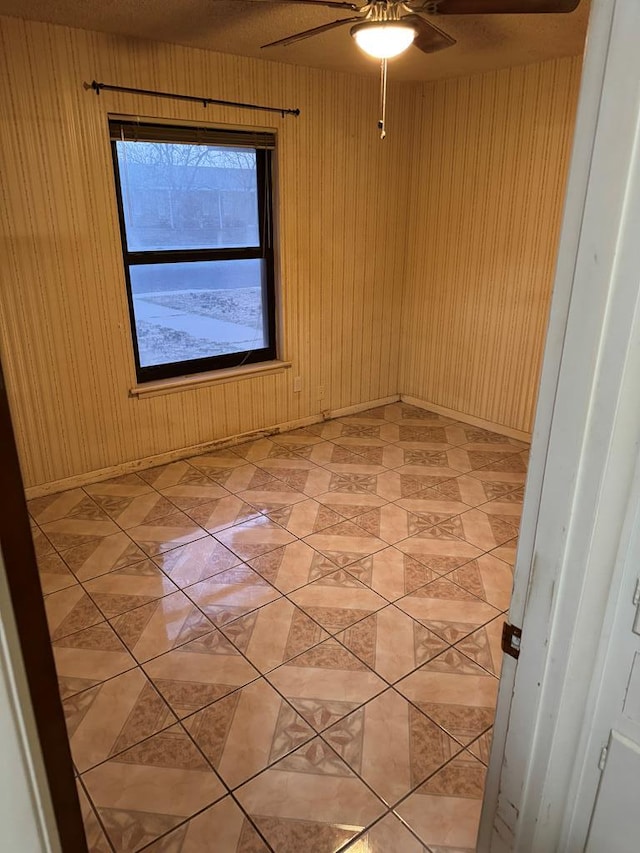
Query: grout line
{"points": [[332, 635], [94, 810]]}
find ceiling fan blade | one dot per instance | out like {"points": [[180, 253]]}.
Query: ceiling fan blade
{"points": [[429, 38], [498, 7], [331, 4], [315, 31]]}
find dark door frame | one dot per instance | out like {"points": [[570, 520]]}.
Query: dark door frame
{"points": [[30, 618]]}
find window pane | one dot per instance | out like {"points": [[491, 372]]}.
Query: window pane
{"points": [[197, 310], [188, 196]]}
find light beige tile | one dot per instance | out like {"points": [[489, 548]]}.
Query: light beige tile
{"points": [[272, 495], [41, 544], [102, 555], [223, 821], [115, 715], [232, 593], [96, 839], [89, 657], [391, 643], [391, 573], [273, 634], [473, 490], [254, 537], [439, 548], [61, 505], [166, 533], [310, 798], [246, 731], [445, 811], [326, 683], [488, 578], [455, 692], [484, 646], [132, 586], [73, 530], [302, 519], [447, 609], [391, 745], [337, 600], [507, 552], [197, 673], [160, 626], [152, 787], [54, 574], [350, 504], [389, 835], [485, 530], [221, 513], [295, 565], [196, 561], [345, 543], [70, 610]]}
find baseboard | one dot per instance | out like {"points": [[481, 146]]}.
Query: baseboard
{"points": [[466, 418], [79, 480], [362, 407]]}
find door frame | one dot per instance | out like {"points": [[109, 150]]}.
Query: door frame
{"points": [[587, 425], [45, 786]]}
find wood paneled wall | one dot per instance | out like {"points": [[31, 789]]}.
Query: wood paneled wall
{"points": [[489, 163], [64, 323], [439, 242]]}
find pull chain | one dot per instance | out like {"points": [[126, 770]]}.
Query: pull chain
{"points": [[383, 98]]}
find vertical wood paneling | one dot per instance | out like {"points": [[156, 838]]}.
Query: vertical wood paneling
{"points": [[64, 325], [490, 156]]}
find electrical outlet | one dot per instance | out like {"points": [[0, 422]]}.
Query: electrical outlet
{"points": [[320, 392], [297, 384]]}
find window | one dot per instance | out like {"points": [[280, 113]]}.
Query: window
{"points": [[196, 222]]}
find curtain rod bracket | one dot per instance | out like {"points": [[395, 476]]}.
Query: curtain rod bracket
{"points": [[98, 87]]}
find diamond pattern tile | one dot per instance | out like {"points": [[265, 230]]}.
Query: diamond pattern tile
{"points": [[391, 745], [391, 573], [254, 537], [247, 731], [337, 600], [391, 643], [152, 787], [447, 609], [199, 672], [223, 821], [455, 692], [445, 811], [125, 589], [326, 683], [113, 716], [309, 800], [274, 634], [161, 625], [345, 543], [292, 566], [310, 619], [232, 593]]}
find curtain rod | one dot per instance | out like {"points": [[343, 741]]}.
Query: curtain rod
{"points": [[98, 87]]}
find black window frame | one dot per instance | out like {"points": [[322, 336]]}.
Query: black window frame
{"points": [[263, 144]]}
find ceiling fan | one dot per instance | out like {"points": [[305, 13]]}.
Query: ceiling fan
{"points": [[386, 28]]}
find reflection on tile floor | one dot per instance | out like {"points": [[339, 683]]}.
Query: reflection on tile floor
{"points": [[290, 644]]}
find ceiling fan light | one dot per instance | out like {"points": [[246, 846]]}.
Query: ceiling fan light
{"points": [[383, 39]]}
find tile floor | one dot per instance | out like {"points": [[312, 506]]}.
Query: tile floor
{"points": [[288, 645]]}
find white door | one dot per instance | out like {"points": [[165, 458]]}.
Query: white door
{"points": [[543, 774], [614, 823]]}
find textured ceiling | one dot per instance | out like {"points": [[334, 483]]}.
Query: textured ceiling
{"points": [[234, 26]]}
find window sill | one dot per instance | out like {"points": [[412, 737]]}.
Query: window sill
{"points": [[214, 377]]}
